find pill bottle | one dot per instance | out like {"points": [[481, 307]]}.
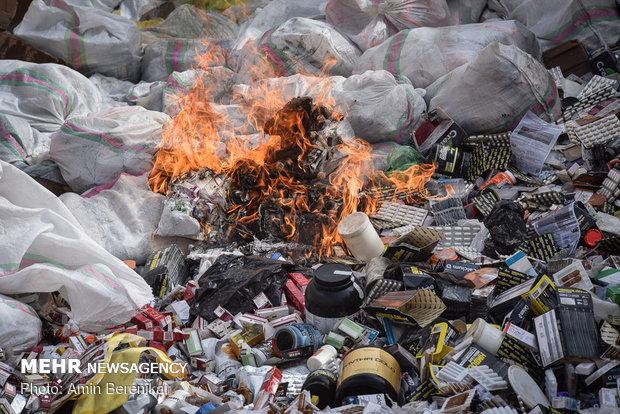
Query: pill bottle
{"points": [[323, 356]]}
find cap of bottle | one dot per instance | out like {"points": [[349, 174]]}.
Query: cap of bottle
{"points": [[592, 237]]}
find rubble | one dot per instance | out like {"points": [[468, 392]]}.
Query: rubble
{"points": [[290, 207]]}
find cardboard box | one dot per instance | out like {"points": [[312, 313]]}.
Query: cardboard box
{"points": [[475, 356], [251, 335], [459, 269], [414, 307], [569, 331], [570, 56], [442, 130], [295, 297], [603, 62], [416, 246], [300, 280]]}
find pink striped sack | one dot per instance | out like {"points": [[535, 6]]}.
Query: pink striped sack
{"points": [[119, 215], [298, 46], [90, 40], [495, 90], [94, 150], [424, 54], [166, 56], [20, 144], [43, 248], [555, 21], [45, 95], [369, 22], [19, 324]]}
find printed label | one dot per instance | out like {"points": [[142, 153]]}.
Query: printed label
{"points": [[323, 324], [371, 361]]}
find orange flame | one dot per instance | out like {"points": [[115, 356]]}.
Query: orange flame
{"points": [[202, 135]]}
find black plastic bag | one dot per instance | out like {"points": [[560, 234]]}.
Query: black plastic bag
{"points": [[233, 281], [507, 228]]}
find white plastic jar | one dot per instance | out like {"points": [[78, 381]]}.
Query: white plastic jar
{"points": [[360, 236]]}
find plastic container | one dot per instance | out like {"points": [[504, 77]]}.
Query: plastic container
{"points": [[451, 161], [368, 370], [501, 180], [299, 340], [526, 388], [360, 236], [322, 357], [226, 363], [485, 335], [321, 384], [332, 294]]}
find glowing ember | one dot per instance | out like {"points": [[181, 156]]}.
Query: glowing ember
{"points": [[295, 178]]}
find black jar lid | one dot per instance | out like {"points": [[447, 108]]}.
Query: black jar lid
{"points": [[333, 275]]}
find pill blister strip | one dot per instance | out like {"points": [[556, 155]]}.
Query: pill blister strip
{"points": [[600, 131], [596, 84], [587, 103], [453, 372], [490, 140], [468, 252], [557, 75], [611, 186], [448, 211], [400, 214], [457, 235]]}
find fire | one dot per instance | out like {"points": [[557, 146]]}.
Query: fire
{"points": [[272, 181]]}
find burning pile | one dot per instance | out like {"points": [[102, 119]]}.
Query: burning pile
{"points": [[289, 195], [293, 181]]}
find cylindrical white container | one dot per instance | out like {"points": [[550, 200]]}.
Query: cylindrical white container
{"points": [[360, 236], [323, 356], [487, 336]]}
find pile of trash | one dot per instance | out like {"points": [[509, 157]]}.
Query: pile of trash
{"points": [[291, 206]]}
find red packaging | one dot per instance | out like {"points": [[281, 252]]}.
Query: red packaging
{"points": [[161, 336], [157, 345], [223, 314], [300, 280], [142, 321], [45, 402], [173, 320], [294, 296], [157, 317], [202, 364], [190, 291], [269, 388]]}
